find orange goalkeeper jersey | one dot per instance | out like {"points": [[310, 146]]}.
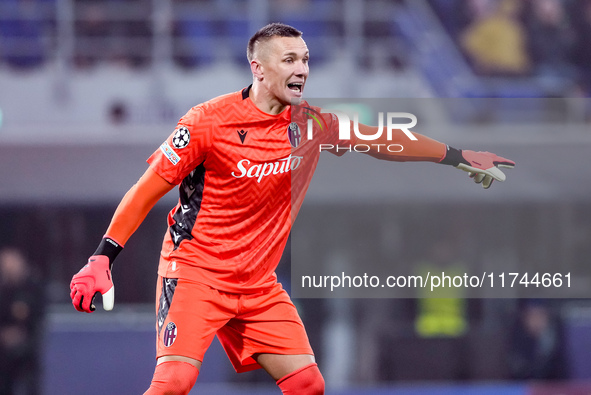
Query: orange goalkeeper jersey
{"points": [[242, 174]]}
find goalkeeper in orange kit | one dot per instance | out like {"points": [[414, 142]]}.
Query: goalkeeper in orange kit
{"points": [[242, 168]]}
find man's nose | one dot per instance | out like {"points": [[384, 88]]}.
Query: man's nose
{"points": [[302, 69]]}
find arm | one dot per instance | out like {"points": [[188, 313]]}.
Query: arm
{"points": [[483, 167], [423, 149], [136, 204], [95, 276]]}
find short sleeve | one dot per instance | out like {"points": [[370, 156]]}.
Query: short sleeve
{"points": [[185, 149]]}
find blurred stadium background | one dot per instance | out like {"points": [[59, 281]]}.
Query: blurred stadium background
{"points": [[89, 89]]}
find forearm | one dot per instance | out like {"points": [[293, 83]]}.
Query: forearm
{"points": [[95, 276], [127, 217], [135, 206], [400, 147]]}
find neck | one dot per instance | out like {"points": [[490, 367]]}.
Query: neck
{"points": [[264, 100]]}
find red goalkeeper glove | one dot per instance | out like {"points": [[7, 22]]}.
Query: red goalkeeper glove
{"points": [[482, 166], [95, 277]]}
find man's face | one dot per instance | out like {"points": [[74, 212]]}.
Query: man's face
{"points": [[284, 68]]}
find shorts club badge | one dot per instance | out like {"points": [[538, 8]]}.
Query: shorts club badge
{"points": [[170, 334]]}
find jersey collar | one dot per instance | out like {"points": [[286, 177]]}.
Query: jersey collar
{"points": [[246, 92]]}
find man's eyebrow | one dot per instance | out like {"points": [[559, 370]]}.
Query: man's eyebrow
{"points": [[295, 54]]}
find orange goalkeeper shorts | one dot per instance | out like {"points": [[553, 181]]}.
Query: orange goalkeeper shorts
{"points": [[190, 314]]}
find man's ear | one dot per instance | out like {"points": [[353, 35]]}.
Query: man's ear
{"points": [[257, 69]]}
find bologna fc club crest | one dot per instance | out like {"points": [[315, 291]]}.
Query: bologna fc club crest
{"points": [[294, 135], [169, 334], [181, 138]]}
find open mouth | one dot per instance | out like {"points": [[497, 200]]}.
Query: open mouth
{"points": [[296, 86]]}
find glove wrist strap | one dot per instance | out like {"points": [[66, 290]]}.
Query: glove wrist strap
{"points": [[453, 157], [110, 248]]}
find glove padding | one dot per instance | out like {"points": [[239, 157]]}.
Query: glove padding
{"points": [[93, 278], [484, 167]]}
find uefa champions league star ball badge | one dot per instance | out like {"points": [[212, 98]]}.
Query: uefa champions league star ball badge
{"points": [[181, 138]]}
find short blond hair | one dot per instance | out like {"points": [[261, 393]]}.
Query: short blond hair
{"points": [[266, 33]]}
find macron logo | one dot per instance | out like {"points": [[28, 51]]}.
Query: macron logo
{"points": [[266, 169], [242, 135]]}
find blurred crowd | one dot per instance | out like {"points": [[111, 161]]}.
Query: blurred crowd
{"points": [[544, 39], [22, 306], [134, 32]]}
